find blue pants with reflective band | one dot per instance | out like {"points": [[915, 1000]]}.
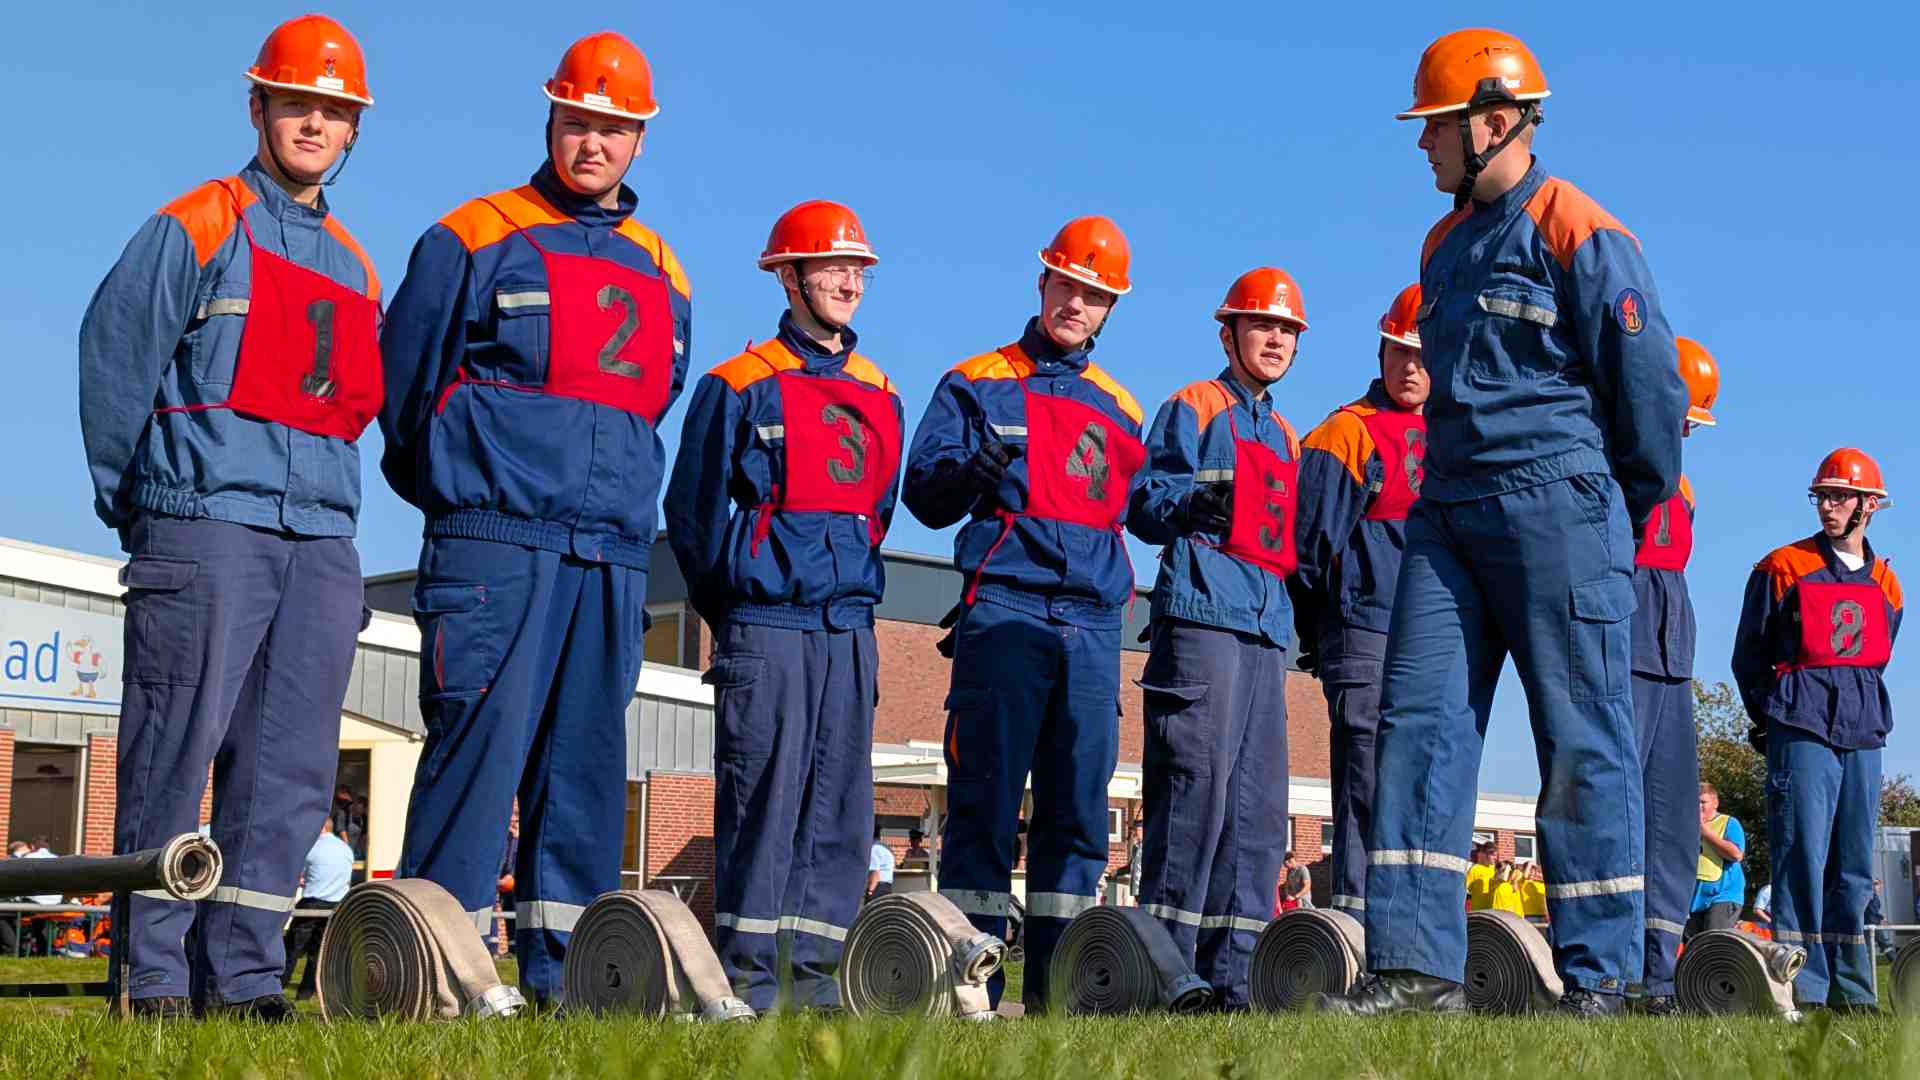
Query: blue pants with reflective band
{"points": [[1546, 574], [1029, 695], [1670, 779], [793, 805], [1354, 709], [239, 644], [1216, 794], [529, 659], [1822, 806]]}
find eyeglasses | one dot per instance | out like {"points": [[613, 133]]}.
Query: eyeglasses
{"points": [[843, 276], [1831, 498]]}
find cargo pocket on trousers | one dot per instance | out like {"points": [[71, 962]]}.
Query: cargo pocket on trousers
{"points": [[1779, 812], [1179, 726], [461, 641], [166, 641], [737, 738], [965, 759], [1598, 641]]}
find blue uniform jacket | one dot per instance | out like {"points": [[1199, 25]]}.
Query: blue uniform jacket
{"points": [[163, 331], [1348, 564], [470, 439], [1848, 707], [813, 569], [1549, 354], [1048, 569], [1191, 442], [1664, 628]]}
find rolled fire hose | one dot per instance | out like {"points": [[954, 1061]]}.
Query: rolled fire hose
{"points": [[1115, 960], [1906, 978], [1509, 965], [1304, 952], [405, 948], [186, 867], [915, 954], [646, 953], [1727, 971]]}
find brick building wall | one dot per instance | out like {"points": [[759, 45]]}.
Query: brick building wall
{"points": [[6, 784], [96, 825], [679, 811]]}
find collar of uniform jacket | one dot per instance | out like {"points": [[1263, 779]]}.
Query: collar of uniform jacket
{"points": [[1865, 573], [1258, 405], [814, 356], [275, 198], [1516, 196], [579, 207], [1378, 397], [1047, 356]]}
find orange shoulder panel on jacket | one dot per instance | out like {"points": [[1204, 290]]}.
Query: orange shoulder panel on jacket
{"points": [[663, 256], [492, 218], [1345, 437], [1293, 439], [1565, 217], [756, 363], [1787, 565], [1438, 233], [1207, 398], [1098, 376], [1686, 491], [863, 369], [339, 232], [208, 213], [996, 365], [1883, 573]]}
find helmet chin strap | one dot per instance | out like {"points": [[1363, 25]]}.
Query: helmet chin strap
{"points": [[806, 299], [281, 166], [1489, 93], [1095, 336]]}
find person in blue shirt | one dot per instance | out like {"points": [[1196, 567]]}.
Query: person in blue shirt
{"points": [[323, 882], [1721, 888]]}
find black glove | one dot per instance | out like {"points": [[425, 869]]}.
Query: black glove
{"points": [[988, 466], [1757, 738], [1210, 508]]}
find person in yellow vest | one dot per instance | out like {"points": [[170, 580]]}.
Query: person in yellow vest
{"points": [[1480, 879], [1533, 894], [1722, 885], [1506, 889]]}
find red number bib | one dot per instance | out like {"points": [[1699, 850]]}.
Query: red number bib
{"points": [[310, 350], [1080, 462], [1843, 625], [1266, 494], [843, 446], [1400, 438], [609, 332], [1667, 541]]}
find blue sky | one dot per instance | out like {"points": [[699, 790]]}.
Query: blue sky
{"points": [[1762, 177]]}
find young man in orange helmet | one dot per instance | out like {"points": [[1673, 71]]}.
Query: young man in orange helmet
{"points": [[782, 491], [1554, 432], [539, 337], [1663, 640], [228, 364], [1037, 448], [1219, 493], [1810, 657], [1360, 475]]}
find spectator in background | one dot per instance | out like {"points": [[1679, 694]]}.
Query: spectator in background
{"points": [[342, 810], [356, 834], [1480, 878], [880, 866], [1506, 889], [1876, 915], [1135, 844], [1763, 906], [1533, 894], [323, 881], [1296, 885], [503, 886], [39, 850], [1721, 888], [917, 857]]}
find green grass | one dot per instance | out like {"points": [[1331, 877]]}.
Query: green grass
{"points": [[74, 1039]]}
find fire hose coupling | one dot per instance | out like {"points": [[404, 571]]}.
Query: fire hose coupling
{"points": [[1189, 993], [725, 1009], [500, 1000], [979, 958]]}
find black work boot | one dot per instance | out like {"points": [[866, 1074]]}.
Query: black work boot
{"points": [[160, 1008], [1585, 1004], [269, 1008], [1392, 992], [1661, 1005]]}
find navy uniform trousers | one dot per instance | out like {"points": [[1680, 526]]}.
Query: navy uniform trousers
{"points": [[1823, 804], [529, 660], [1670, 777], [793, 805], [1546, 573], [1030, 694], [1350, 664], [1216, 794], [239, 643]]}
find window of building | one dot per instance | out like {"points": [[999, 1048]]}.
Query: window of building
{"points": [[666, 641], [1524, 847], [1326, 838], [1116, 824], [897, 825]]}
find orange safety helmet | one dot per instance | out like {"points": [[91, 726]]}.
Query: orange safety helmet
{"points": [[1267, 290], [1091, 250], [1401, 323], [1702, 375], [606, 74], [1470, 68], [1850, 470], [314, 55], [816, 229]]}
